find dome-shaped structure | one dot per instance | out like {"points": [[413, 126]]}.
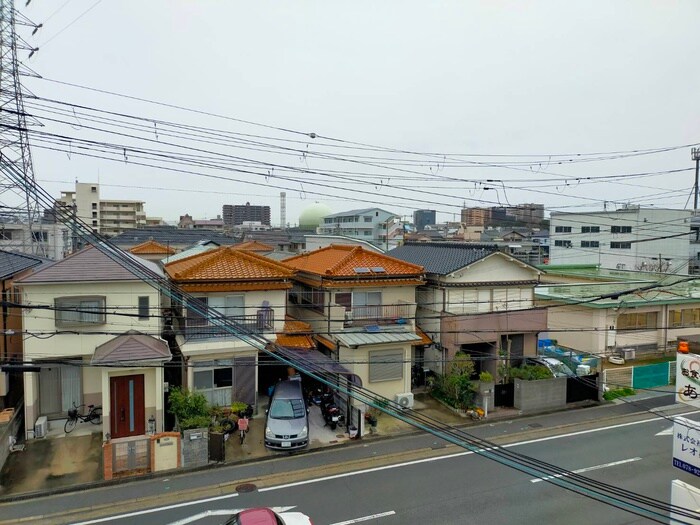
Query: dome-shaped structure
{"points": [[311, 217]]}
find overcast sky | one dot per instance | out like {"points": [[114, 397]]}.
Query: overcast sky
{"points": [[451, 78]]}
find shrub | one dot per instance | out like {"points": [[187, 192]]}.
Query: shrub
{"points": [[618, 392], [530, 373], [190, 408], [238, 406], [485, 376]]}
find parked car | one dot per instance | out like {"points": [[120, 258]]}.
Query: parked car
{"points": [[556, 367], [265, 516], [287, 424]]}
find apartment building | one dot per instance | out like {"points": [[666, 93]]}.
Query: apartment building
{"points": [[374, 225], [237, 214], [631, 238], [107, 217], [45, 239]]}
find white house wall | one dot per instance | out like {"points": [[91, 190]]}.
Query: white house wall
{"points": [[494, 268], [580, 328], [360, 356], [122, 294]]}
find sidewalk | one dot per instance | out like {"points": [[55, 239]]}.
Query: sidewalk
{"points": [[62, 462]]}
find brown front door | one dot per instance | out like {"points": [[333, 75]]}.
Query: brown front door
{"points": [[127, 416]]}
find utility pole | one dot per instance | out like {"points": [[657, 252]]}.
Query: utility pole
{"points": [[14, 140], [695, 155]]}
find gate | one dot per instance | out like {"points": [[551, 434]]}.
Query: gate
{"points": [[504, 395], [582, 388], [131, 454]]}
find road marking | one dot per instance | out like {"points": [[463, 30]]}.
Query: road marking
{"points": [[156, 509], [586, 469], [375, 469], [365, 518], [667, 432]]}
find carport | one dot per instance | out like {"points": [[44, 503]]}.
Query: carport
{"points": [[317, 359]]}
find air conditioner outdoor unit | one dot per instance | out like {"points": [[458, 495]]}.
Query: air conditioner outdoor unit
{"points": [[41, 427], [629, 353], [405, 400]]}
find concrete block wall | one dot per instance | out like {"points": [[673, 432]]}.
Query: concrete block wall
{"points": [[195, 447], [7, 430], [540, 395]]}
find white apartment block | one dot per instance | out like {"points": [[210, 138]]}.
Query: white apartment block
{"points": [[631, 238], [108, 217], [374, 225], [44, 239]]}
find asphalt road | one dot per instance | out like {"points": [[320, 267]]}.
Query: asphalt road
{"points": [[415, 479]]}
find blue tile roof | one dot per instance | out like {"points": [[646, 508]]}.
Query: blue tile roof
{"points": [[12, 263]]}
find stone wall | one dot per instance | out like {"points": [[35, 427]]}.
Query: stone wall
{"points": [[540, 395], [195, 447]]}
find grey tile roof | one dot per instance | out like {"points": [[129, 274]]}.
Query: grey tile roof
{"points": [[131, 347], [169, 235], [87, 265], [376, 338], [442, 258], [12, 263]]}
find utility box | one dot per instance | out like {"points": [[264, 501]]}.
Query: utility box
{"points": [[166, 451]]}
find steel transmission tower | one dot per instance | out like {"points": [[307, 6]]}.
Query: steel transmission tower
{"points": [[14, 141]]}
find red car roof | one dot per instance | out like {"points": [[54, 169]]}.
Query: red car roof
{"points": [[260, 516]]}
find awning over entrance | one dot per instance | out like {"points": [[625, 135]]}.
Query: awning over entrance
{"points": [[314, 358], [131, 347], [424, 338]]}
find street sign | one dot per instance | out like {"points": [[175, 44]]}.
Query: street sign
{"points": [[686, 445], [688, 379]]}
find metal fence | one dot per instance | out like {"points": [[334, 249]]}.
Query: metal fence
{"points": [[130, 455], [645, 376]]}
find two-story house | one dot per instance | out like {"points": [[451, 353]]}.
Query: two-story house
{"points": [[243, 286], [361, 307], [92, 330], [477, 300]]}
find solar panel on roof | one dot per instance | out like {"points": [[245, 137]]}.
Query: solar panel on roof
{"points": [[378, 269], [361, 269]]}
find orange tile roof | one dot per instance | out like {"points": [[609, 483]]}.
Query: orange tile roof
{"points": [[424, 338], [254, 246], [151, 247], [341, 260], [227, 264], [295, 341], [231, 286], [294, 326]]}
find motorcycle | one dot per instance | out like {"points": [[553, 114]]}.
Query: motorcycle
{"points": [[331, 415]]}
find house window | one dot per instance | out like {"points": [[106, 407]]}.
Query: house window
{"points": [[685, 317], [344, 299], [368, 219], [621, 245], [5, 235], [94, 205], [60, 387], [386, 366], [563, 244], [367, 232], [94, 215], [621, 229], [637, 321], [562, 229], [94, 189], [144, 307], [79, 310], [590, 229], [40, 236], [590, 244], [215, 384]]}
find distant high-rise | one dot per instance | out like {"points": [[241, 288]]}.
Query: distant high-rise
{"points": [[475, 216], [237, 214], [421, 218]]}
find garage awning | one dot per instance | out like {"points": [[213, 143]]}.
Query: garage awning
{"points": [[316, 359], [424, 338]]}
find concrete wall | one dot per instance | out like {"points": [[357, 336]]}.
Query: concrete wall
{"points": [[11, 428], [195, 447], [540, 395]]}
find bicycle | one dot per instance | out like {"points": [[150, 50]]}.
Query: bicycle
{"points": [[94, 416], [243, 426]]}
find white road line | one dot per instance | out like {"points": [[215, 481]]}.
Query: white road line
{"points": [[365, 518], [156, 509], [586, 469], [667, 432], [374, 469]]}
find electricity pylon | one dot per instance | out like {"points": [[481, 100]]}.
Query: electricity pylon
{"points": [[14, 140]]}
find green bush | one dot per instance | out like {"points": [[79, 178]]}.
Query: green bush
{"points": [[238, 406], [455, 388], [530, 373], [618, 392], [191, 408], [485, 376]]}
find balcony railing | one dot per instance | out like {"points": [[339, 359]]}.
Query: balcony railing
{"points": [[198, 328], [379, 314]]}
